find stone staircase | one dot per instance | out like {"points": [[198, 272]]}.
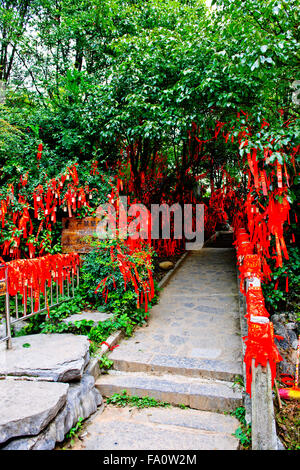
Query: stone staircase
{"points": [[190, 354]]}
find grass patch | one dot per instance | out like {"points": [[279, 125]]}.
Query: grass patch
{"points": [[243, 433], [123, 399]]}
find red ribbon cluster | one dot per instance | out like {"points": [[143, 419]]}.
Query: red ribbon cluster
{"points": [[144, 288], [16, 215], [260, 344], [29, 277], [123, 256]]}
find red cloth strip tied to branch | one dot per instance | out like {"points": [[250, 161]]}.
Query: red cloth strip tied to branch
{"points": [[39, 152], [47, 199], [29, 277], [260, 346], [242, 244]]}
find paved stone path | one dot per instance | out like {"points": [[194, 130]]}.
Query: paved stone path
{"points": [[197, 316], [189, 353]]}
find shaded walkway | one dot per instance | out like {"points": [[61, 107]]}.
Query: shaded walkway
{"points": [[196, 320], [190, 353]]}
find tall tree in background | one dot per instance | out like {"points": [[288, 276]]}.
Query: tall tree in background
{"points": [[14, 16]]}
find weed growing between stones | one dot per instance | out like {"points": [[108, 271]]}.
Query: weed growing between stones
{"points": [[243, 433], [105, 363], [74, 431], [238, 383], [123, 399]]}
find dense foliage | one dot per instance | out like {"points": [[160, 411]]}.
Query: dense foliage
{"points": [[163, 101], [119, 290], [90, 79]]}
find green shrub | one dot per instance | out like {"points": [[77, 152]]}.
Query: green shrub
{"points": [[113, 295], [39, 323]]}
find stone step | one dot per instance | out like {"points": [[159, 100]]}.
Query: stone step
{"points": [[31, 417], [59, 357], [27, 407], [179, 365], [159, 429], [199, 394]]}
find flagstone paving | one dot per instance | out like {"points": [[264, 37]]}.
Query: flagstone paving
{"points": [[196, 319], [189, 353], [158, 429]]}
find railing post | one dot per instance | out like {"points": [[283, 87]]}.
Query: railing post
{"points": [[263, 421], [7, 314], [263, 428]]}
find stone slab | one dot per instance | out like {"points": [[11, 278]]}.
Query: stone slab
{"points": [[194, 367], [196, 393], [181, 365], [155, 429], [188, 418], [216, 396], [60, 357], [96, 317], [27, 407], [82, 400]]}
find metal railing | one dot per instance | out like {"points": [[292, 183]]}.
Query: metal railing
{"points": [[59, 290]]}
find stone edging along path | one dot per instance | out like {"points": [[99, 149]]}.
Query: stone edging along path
{"points": [[112, 340], [170, 273]]}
